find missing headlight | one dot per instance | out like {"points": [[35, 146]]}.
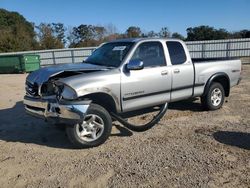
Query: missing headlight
{"points": [[50, 88], [68, 93]]}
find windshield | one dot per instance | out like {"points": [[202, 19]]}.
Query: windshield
{"points": [[110, 54]]}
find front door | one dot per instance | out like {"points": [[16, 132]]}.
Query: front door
{"points": [[149, 86]]}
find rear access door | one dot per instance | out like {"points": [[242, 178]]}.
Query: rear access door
{"points": [[182, 71]]}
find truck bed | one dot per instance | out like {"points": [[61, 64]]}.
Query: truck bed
{"points": [[205, 68]]}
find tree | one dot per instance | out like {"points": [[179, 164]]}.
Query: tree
{"points": [[86, 35], [111, 33], [48, 37], [164, 32], [245, 33], [99, 33], [133, 32], [17, 34], [241, 34], [59, 31], [178, 36], [114, 37], [110, 29], [84, 32], [221, 34], [206, 33], [81, 34], [71, 38], [151, 34]]}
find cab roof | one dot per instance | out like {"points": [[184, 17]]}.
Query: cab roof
{"points": [[144, 39]]}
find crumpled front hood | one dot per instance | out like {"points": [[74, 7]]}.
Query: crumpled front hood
{"points": [[42, 75]]}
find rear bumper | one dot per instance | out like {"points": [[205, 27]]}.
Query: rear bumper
{"points": [[69, 112]]}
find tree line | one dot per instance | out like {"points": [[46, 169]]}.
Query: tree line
{"points": [[17, 34]]}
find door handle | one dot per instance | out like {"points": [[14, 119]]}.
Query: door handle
{"points": [[176, 71], [165, 72]]}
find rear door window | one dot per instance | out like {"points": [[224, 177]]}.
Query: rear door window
{"points": [[176, 52]]}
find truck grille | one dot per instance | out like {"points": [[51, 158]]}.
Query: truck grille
{"points": [[31, 89]]}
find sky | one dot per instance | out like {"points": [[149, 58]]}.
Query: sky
{"points": [[177, 15]]}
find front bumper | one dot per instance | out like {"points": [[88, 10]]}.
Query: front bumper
{"points": [[69, 112]]}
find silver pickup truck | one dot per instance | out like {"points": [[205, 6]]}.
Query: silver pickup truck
{"points": [[124, 76]]}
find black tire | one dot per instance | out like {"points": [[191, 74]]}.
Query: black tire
{"points": [[101, 113], [207, 101]]}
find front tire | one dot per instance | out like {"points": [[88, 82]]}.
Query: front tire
{"points": [[93, 131], [214, 99]]}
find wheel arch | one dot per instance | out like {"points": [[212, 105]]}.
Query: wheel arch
{"points": [[221, 78], [102, 99]]}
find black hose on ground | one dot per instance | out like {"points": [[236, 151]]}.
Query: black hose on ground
{"points": [[141, 128]]}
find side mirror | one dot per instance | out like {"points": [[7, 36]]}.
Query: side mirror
{"points": [[135, 64]]}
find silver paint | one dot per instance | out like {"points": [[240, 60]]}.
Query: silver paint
{"points": [[120, 83], [46, 109]]}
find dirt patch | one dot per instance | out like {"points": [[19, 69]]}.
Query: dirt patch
{"points": [[188, 148]]}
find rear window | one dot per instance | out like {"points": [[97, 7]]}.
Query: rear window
{"points": [[176, 52]]}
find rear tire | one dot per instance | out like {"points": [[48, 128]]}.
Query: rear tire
{"points": [[214, 98], [94, 130]]}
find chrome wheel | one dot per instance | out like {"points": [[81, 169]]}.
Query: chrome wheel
{"points": [[216, 97], [91, 128]]}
